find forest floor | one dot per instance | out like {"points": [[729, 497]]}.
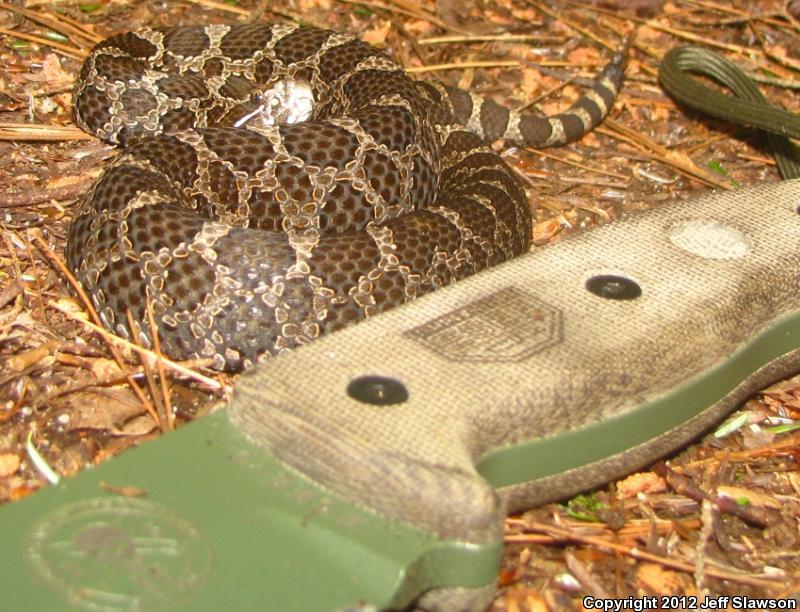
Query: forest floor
{"points": [[720, 517]]}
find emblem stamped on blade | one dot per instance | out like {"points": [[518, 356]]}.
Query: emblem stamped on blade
{"points": [[118, 553], [506, 326]]}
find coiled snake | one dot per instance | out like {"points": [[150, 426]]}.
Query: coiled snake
{"points": [[250, 235]]}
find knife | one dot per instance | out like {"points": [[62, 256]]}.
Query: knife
{"points": [[373, 468]]}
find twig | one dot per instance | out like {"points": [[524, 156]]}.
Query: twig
{"points": [[634, 528], [615, 13], [371, 4], [781, 61], [785, 444], [725, 135], [463, 66], [74, 52], [157, 411], [412, 7], [114, 378], [791, 19], [587, 33], [57, 24], [499, 64], [108, 338], [412, 40], [8, 413], [82, 27], [766, 161], [38, 132], [39, 462], [634, 552], [10, 293], [162, 375], [546, 94], [580, 165], [37, 277], [122, 343], [21, 361], [221, 6], [703, 40], [37, 196], [657, 152], [718, 7], [439, 40], [706, 534]]}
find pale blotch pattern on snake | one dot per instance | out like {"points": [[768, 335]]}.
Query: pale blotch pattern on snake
{"points": [[251, 240]]}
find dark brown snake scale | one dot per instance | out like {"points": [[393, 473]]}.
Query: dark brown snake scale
{"points": [[251, 240]]}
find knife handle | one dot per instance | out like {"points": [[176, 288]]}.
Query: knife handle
{"points": [[545, 376]]}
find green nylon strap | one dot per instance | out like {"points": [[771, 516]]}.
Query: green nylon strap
{"points": [[750, 108]]}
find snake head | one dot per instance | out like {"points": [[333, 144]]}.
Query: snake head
{"points": [[287, 101]]}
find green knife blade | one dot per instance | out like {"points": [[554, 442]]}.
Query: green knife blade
{"points": [[223, 526], [373, 468]]}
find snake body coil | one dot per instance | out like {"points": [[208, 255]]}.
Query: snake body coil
{"points": [[248, 241]]}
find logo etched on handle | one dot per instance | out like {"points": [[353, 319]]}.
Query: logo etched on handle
{"points": [[119, 553], [508, 325]]}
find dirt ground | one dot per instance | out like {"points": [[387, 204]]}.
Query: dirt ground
{"points": [[721, 517]]}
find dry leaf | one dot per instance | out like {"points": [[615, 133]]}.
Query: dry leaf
{"points": [[680, 158], [137, 426], [753, 497], [527, 14], [523, 597], [377, 36], [104, 369], [590, 140], [778, 51], [531, 83], [418, 27], [71, 306], [659, 113], [648, 35], [108, 410], [9, 463], [546, 230], [71, 179], [583, 55], [642, 482], [52, 74], [658, 580]]}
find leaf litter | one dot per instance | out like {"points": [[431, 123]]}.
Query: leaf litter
{"points": [[720, 517]]}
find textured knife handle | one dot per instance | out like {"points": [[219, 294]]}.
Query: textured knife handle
{"points": [[546, 386]]}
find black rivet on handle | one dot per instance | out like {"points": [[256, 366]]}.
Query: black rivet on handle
{"points": [[377, 390], [614, 287]]}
